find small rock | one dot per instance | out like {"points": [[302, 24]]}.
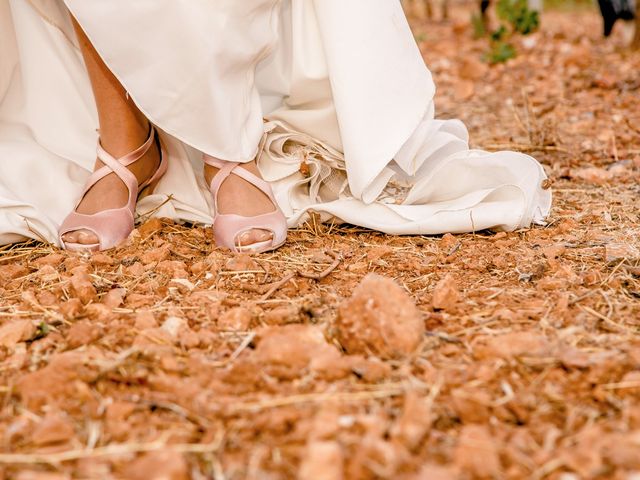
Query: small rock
{"points": [[173, 325], [182, 284], [625, 452], [379, 318], [37, 475], [370, 370], [136, 269], [287, 352], [156, 255], [282, 315], [471, 406], [553, 252], [11, 272], [322, 461], [447, 242], [446, 295], [236, 319], [15, 332], [198, 268], [145, 320], [172, 269], [241, 263], [512, 345], [99, 312], [53, 429], [472, 68], [414, 423], [138, 300], [594, 175], [150, 227], [47, 298], [57, 382], [71, 309], [52, 260], [188, 339], [114, 297], [83, 333], [83, 288], [616, 252], [436, 472], [161, 465], [476, 453], [102, 260], [48, 274], [464, 89]]}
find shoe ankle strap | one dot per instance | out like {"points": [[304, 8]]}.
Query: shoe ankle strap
{"points": [[131, 157], [119, 166]]}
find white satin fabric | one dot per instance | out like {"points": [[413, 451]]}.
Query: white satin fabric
{"points": [[338, 87]]}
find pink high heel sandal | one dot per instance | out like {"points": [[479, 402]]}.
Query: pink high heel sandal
{"points": [[228, 227], [114, 225]]}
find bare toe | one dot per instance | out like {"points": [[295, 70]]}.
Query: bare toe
{"points": [[254, 236], [86, 237], [71, 237], [83, 237]]}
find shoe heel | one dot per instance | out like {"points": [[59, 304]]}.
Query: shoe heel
{"points": [[149, 189], [162, 169]]}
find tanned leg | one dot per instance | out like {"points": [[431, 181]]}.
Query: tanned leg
{"points": [[240, 197], [123, 128]]}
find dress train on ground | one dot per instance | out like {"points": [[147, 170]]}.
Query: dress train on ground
{"points": [[338, 90]]}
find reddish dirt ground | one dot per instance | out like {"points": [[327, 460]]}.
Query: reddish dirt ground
{"points": [[349, 354]]}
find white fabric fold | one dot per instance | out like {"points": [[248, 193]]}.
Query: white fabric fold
{"points": [[338, 88]]}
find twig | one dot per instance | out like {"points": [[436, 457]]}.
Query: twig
{"points": [[317, 398], [274, 288], [314, 276], [327, 271], [117, 449]]}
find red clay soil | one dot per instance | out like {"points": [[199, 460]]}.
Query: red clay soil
{"points": [[349, 354]]}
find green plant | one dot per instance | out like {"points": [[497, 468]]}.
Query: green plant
{"points": [[518, 15], [479, 28], [515, 18]]}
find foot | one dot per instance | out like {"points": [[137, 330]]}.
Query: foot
{"points": [[110, 192], [240, 197]]}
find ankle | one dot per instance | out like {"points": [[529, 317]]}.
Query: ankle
{"points": [[122, 138]]}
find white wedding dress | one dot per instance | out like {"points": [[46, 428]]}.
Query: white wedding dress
{"points": [[337, 89]]}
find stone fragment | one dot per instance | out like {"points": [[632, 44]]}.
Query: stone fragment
{"points": [[102, 260], [512, 345], [114, 298], [15, 332], [476, 453], [160, 465], [172, 269], [616, 252], [150, 227], [379, 318], [287, 352], [58, 382], [173, 325], [53, 260], [71, 309], [83, 333], [82, 287], [446, 294], [241, 263], [53, 429], [237, 319], [156, 255], [322, 461], [11, 272], [414, 423]]}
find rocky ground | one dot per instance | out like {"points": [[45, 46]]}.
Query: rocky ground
{"points": [[353, 355]]}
